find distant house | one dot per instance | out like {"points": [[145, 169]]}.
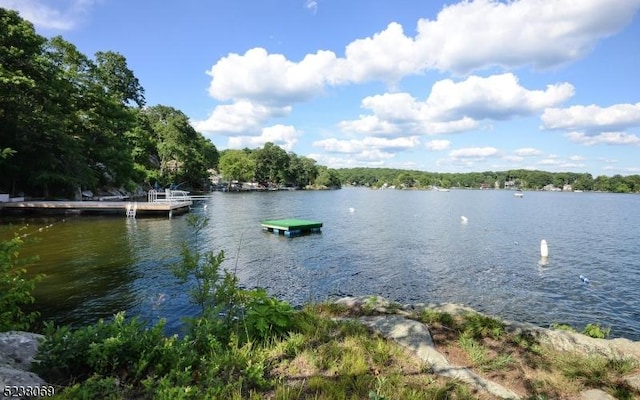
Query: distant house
{"points": [[567, 188], [509, 184], [485, 186]]}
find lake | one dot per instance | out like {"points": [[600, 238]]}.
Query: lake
{"points": [[408, 246]]}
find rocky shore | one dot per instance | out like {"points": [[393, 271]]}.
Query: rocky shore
{"points": [[396, 323]]}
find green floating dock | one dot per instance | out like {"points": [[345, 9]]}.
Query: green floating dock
{"points": [[291, 227]]}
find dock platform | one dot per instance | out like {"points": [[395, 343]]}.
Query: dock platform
{"points": [[99, 207], [291, 227]]}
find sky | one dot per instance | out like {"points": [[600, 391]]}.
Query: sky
{"points": [[441, 86]]}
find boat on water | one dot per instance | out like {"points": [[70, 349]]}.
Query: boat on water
{"points": [[442, 189], [518, 194]]}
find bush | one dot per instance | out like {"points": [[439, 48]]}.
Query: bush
{"points": [[596, 331], [15, 288]]}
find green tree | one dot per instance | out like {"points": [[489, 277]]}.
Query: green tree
{"points": [[271, 164], [15, 288], [328, 178], [237, 165]]}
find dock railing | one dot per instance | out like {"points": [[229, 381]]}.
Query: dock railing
{"points": [[168, 196]]}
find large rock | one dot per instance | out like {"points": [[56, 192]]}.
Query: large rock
{"points": [[576, 342], [17, 351]]}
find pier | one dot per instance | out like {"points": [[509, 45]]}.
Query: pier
{"points": [[291, 227], [169, 203]]}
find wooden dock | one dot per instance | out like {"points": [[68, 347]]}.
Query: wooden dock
{"points": [[291, 227], [123, 208]]}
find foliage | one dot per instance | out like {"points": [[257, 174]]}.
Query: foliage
{"points": [[267, 317], [237, 165], [70, 122], [15, 288], [269, 166], [562, 327], [522, 179], [476, 325], [596, 331]]}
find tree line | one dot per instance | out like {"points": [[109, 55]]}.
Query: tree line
{"points": [[70, 123], [272, 165], [519, 178]]}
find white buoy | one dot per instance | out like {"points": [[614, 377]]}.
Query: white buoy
{"points": [[544, 250], [351, 209], [584, 279], [464, 219]]}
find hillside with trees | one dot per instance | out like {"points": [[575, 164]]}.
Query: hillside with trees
{"points": [[70, 123], [272, 166], [516, 179]]}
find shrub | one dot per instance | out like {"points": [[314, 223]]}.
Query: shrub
{"points": [[596, 331], [15, 288]]}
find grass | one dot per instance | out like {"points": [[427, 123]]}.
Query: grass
{"points": [[332, 357]]}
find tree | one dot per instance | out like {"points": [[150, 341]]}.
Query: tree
{"points": [[184, 154], [237, 165], [271, 163], [328, 178]]}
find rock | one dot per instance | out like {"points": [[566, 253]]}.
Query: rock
{"points": [[416, 337], [596, 394], [576, 342], [12, 377], [18, 349]]}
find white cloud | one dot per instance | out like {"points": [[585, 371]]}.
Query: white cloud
{"points": [[494, 97], [593, 119], [311, 5], [359, 146], [527, 152], [438, 145], [464, 37], [365, 159], [42, 14], [242, 117], [619, 138], [477, 34], [577, 158], [454, 106], [269, 78], [285, 136], [514, 159], [474, 152]]}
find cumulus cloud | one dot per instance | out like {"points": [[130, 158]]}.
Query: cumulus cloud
{"points": [[269, 78], [285, 136], [438, 145], [240, 117], [527, 152], [474, 152], [463, 38], [358, 146], [61, 17], [614, 138], [593, 119], [472, 35], [454, 106]]}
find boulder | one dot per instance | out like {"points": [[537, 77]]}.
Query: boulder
{"points": [[17, 351], [596, 394]]}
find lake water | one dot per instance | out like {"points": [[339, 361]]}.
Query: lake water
{"points": [[408, 246]]}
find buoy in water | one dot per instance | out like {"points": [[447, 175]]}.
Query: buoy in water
{"points": [[463, 219], [584, 279], [544, 250], [351, 209]]}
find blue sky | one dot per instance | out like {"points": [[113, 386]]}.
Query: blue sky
{"points": [[452, 86]]}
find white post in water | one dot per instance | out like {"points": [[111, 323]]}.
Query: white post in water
{"points": [[544, 250], [544, 253]]}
